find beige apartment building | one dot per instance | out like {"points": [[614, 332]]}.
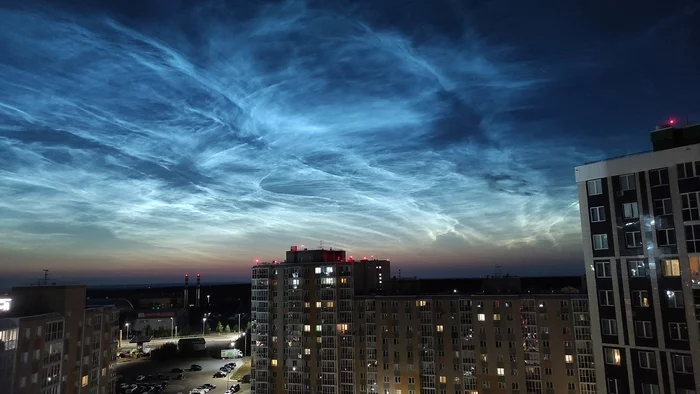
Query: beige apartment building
{"points": [[55, 343], [314, 332]]}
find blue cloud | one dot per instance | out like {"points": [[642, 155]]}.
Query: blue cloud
{"points": [[217, 132]]}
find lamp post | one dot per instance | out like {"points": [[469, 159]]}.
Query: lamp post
{"points": [[127, 331], [172, 328], [245, 345], [208, 299], [204, 321]]}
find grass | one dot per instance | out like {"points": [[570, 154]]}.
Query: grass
{"points": [[242, 371]]}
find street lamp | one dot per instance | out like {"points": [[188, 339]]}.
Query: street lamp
{"points": [[204, 321], [172, 328], [127, 330], [208, 299], [245, 345]]}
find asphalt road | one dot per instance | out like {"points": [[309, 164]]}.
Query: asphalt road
{"points": [[224, 338], [145, 366]]}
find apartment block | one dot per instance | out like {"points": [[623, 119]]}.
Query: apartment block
{"points": [[640, 219], [316, 328], [55, 343]]}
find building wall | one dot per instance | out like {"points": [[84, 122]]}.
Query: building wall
{"points": [[642, 284], [311, 334]]}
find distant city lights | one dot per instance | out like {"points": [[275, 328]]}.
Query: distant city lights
{"points": [[5, 304]]}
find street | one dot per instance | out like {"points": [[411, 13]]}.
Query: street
{"points": [[129, 370], [223, 338]]}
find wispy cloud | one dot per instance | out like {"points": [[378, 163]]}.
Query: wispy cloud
{"points": [[295, 123]]}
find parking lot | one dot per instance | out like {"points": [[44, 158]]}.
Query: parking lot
{"points": [[192, 379]]}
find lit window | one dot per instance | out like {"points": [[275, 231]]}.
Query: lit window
{"points": [[612, 356], [638, 268], [569, 358], [481, 317], [674, 299], [440, 328], [84, 381], [420, 303], [317, 270], [343, 280], [318, 340], [307, 328], [307, 305], [327, 281], [274, 363], [484, 357], [307, 351], [342, 328], [318, 304], [318, 328], [443, 379], [501, 371], [329, 304], [496, 316], [670, 268]]}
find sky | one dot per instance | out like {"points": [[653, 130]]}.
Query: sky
{"points": [[142, 140]]}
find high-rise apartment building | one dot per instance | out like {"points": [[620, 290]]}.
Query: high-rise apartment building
{"points": [[640, 219], [53, 342], [318, 328]]}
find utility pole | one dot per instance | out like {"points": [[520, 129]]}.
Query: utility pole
{"points": [[46, 277]]}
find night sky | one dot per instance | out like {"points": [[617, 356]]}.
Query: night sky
{"points": [[142, 140]]}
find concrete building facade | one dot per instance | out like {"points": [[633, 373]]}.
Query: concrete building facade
{"points": [[317, 329], [640, 219], [55, 343]]}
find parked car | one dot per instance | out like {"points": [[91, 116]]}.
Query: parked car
{"points": [[219, 374], [195, 367], [235, 388], [176, 370]]}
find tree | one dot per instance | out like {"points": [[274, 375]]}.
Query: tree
{"points": [[165, 352], [147, 331], [227, 329], [185, 331], [207, 329], [219, 327]]}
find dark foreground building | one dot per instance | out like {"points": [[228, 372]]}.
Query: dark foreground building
{"points": [[640, 219], [54, 342]]}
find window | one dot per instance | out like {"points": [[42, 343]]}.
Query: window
{"points": [[597, 214], [307, 328], [690, 208], [666, 237], [643, 329], [627, 182], [600, 241], [613, 386], [35, 377], [608, 326], [501, 371], [674, 299], [670, 268], [682, 363], [630, 210], [633, 239], [273, 363], [496, 316], [569, 358], [662, 207], [638, 268], [640, 298], [687, 170], [678, 331], [605, 298], [658, 177], [84, 381], [595, 187], [612, 356], [481, 317], [648, 388], [440, 328], [443, 379], [692, 238], [602, 269], [647, 360]]}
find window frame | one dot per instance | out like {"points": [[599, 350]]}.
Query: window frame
{"points": [[634, 235], [663, 211], [611, 324], [633, 210], [609, 297], [598, 210], [646, 360], [637, 301], [643, 324], [675, 327], [634, 270], [656, 175], [625, 184], [601, 237], [597, 188], [606, 271], [666, 231], [687, 367]]}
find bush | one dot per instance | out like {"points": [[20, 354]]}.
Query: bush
{"points": [[165, 351]]}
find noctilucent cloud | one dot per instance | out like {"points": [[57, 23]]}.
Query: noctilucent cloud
{"points": [[143, 140]]}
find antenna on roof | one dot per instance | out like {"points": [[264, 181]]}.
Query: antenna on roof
{"points": [[46, 277], [321, 244]]}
